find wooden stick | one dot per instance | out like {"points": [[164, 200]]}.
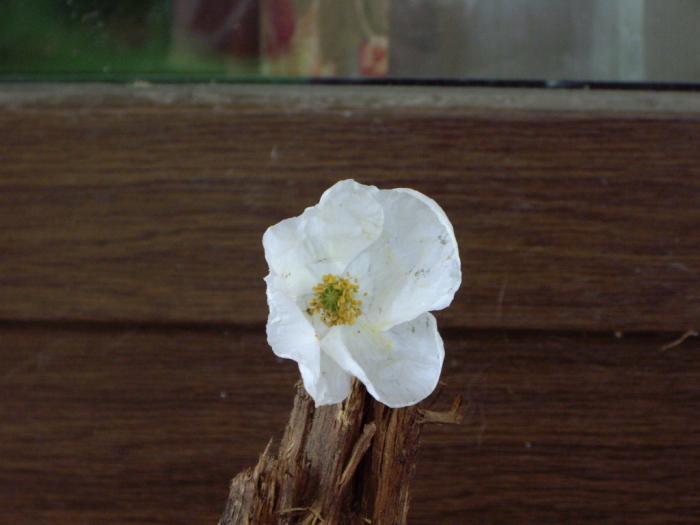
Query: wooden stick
{"points": [[344, 464]]}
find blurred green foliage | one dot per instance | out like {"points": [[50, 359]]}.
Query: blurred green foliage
{"points": [[99, 39]]}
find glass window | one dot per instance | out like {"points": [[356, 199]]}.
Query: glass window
{"points": [[452, 40]]}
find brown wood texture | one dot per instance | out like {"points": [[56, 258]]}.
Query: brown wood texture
{"points": [[144, 425], [135, 380], [148, 205], [346, 464]]}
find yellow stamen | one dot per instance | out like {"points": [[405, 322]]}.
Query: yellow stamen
{"points": [[334, 300]]}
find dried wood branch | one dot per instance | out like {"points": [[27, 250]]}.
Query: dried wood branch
{"points": [[345, 464]]}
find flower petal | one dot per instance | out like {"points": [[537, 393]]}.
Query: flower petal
{"points": [[349, 220], [414, 265], [290, 256], [326, 237], [290, 335], [329, 385], [399, 367]]}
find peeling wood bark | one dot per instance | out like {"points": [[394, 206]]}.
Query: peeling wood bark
{"points": [[344, 464]]}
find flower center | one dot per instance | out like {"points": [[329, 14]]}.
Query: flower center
{"points": [[334, 299]]}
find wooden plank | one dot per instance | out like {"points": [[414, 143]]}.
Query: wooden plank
{"points": [[121, 204], [143, 425]]}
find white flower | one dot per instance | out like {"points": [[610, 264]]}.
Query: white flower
{"points": [[352, 281]]}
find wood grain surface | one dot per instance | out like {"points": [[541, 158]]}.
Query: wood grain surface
{"points": [[143, 425], [150, 207], [135, 379]]}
